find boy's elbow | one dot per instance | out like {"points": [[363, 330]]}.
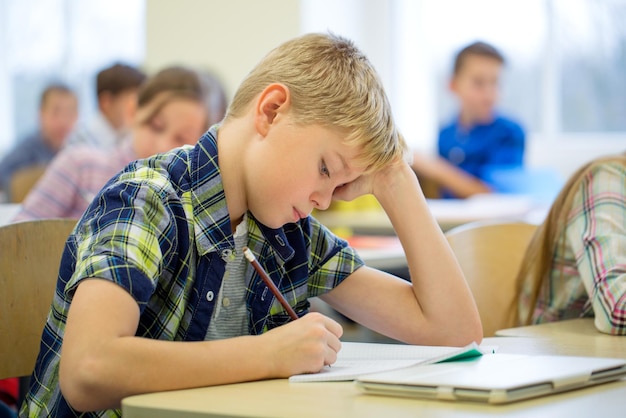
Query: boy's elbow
{"points": [[452, 335], [469, 330], [468, 333], [476, 333], [79, 381]]}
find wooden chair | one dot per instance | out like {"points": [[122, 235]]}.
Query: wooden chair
{"points": [[23, 180], [30, 254], [490, 255]]}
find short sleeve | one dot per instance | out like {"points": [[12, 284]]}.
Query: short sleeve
{"points": [[332, 260], [126, 236], [597, 236]]}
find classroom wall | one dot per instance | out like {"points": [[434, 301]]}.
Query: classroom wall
{"points": [[204, 33]]}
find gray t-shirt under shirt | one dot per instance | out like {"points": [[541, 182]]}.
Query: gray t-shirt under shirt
{"points": [[230, 316]]}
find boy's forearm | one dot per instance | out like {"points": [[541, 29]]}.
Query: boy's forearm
{"points": [[438, 282], [104, 379], [446, 175], [103, 361]]}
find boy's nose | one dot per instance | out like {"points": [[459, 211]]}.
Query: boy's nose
{"points": [[321, 200]]}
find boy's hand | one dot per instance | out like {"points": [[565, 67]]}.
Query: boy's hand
{"points": [[303, 346], [373, 183]]}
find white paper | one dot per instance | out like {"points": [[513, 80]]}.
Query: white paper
{"points": [[358, 359]]}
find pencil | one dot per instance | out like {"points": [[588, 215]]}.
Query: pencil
{"points": [[269, 283]]}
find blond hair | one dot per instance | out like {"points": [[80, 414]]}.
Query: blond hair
{"points": [[333, 84], [539, 258]]}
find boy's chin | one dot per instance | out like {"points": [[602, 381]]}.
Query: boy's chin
{"points": [[269, 221]]}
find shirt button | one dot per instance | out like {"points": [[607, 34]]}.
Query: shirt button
{"points": [[227, 254], [209, 296], [226, 302]]}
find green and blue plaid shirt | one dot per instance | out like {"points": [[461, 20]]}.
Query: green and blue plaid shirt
{"points": [[161, 230]]}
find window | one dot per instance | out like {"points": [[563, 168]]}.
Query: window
{"points": [[60, 40], [564, 79], [590, 39]]}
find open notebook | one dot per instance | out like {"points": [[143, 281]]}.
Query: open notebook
{"points": [[359, 359], [498, 378]]}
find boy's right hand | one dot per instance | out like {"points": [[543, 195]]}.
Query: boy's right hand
{"points": [[303, 346]]}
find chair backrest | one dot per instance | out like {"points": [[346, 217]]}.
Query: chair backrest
{"points": [[490, 255], [22, 181], [30, 254]]}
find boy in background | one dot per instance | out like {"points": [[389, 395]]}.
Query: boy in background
{"points": [[154, 293], [479, 140], [58, 111], [117, 88]]}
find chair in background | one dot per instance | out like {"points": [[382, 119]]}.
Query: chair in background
{"points": [[490, 255], [22, 181], [30, 256]]}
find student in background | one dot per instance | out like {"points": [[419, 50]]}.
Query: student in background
{"points": [[575, 264], [172, 112], [479, 140], [154, 293], [58, 111], [117, 88]]}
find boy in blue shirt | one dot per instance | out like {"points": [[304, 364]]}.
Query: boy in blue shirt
{"points": [[154, 293], [479, 140], [58, 111]]}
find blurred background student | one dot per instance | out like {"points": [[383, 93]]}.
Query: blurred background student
{"points": [[173, 110], [575, 265], [117, 87], [479, 140], [58, 111]]}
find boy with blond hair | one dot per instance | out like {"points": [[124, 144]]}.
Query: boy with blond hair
{"points": [[162, 244]]}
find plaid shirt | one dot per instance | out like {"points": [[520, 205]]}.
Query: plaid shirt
{"points": [[588, 276], [161, 230], [72, 180]]}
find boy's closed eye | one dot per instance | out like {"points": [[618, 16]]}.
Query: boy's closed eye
{"points": [[324, 169]]}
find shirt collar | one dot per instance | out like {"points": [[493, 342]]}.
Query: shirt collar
{"points": [[212, 227]]}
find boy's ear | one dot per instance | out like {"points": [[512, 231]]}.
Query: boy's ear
{"points": [[452, 84], [273, 101]]}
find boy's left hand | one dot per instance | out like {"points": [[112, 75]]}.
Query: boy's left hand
{"points": [[374, 182]]}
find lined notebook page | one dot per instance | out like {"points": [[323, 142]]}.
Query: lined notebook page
{"points": [[358, 359]]}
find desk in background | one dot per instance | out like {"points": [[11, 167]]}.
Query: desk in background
{"points": [[280, 399], [380, 252], [448, 213]]}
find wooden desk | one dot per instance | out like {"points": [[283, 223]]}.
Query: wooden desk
{"points": [[280, 399], [570, 328], [575, 337]]}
